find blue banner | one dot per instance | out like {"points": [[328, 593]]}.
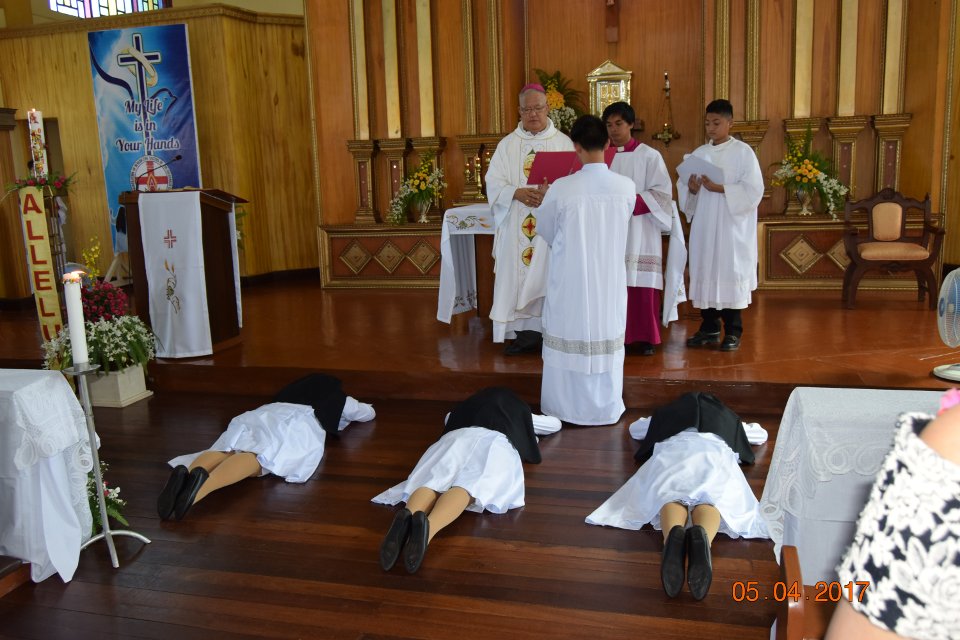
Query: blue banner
{"points": [[144, 97]]}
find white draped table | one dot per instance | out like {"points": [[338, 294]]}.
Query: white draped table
{"points": [[829, 448], [44, 459], [458, 258]]}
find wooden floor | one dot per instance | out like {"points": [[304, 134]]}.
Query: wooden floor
{"points": [[269, 559]]}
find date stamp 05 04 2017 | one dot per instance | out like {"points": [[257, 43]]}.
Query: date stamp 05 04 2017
{"points": [[752, 591]]}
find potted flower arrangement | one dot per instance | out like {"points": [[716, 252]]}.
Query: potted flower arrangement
{"points": [[112, 499], [804, 171], [121, 344], [421, 188], [563, 101]]}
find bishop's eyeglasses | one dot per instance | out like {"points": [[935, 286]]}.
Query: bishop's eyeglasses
{"points": [[528, 110]]}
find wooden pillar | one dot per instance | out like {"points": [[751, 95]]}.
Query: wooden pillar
{"points": [[891, 123], [846, 126], [395, 149], [363, 152], [14, 280]]}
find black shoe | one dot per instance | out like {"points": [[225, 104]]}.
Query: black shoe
{"points": [[730, 343], [672, 561], [646, 349], [394, 540], [416, 546], [525, 342], [701, 338], [189, 492], [168, 497], [700, 565]]}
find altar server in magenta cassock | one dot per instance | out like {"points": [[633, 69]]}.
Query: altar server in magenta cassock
{"points": [[723, 231], [652, 217], [285, 437], [584, 218], [514, 206], [474, 466]]}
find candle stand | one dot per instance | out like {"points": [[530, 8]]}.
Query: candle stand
{"points": [[80, 373]]}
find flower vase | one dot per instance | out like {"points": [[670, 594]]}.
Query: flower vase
{"points": [[119, 388], [805, 198], [422, 209]]}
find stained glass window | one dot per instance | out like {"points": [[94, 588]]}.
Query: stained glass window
{"points": [[100, 8]]}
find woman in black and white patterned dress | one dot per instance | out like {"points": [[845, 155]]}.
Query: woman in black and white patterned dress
{"points": [[907, 544]]}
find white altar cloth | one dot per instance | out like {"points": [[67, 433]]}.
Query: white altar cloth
{"points": [[829, 448], [44, 460], [458, 263]]}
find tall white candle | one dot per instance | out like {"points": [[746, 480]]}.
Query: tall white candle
{"points": [[78, 333]]}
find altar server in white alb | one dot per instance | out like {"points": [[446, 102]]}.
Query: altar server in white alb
{"points": [[474, 466], [690, 454], [584, 218], [723, 230], [514, 206], [285, 437], [652, 217]]}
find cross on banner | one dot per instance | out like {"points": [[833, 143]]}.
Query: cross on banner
{"points": [[144, 67], [170, 238], [152, 181]]}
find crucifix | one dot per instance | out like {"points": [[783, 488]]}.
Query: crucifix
{"points": [[613, 20], [144, 61]]}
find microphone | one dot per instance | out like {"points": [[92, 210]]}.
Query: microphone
{"points": [[161, 166]]}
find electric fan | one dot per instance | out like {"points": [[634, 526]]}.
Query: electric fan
{"points": [[948, 321]]}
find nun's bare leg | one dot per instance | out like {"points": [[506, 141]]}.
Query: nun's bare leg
{"points": [[708, 517], [236, 467], [672, 514], [422, 499], [448, 508]]}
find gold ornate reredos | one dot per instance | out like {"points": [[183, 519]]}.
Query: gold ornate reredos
{"points": [[607, 84]]}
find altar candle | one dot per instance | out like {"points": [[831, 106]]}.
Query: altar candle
{"points": [[78, 333]]}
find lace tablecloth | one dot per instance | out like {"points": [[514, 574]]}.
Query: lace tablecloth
{"points": [[458, 264], [830, 446], [44, 459]]}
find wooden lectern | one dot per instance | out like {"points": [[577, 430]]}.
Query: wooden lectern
{"points": [[215, 209]]}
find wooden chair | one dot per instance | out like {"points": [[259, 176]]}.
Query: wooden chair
{"points": [[887, 246], [805, 618]]}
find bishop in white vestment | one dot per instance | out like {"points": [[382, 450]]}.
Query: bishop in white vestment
{"points": [[515, 214], [723, 230], [584, 219]]}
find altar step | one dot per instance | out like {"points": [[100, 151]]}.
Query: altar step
{"points": [[13, 573], [449, 386]]}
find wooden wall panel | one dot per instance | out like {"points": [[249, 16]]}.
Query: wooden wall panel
{"points": [[328, 32], [240, 111], [869, 74], [14, 282], [826, 57], [776, 88], [738, 57], [654, 37], [450, 88], [920, 142]]}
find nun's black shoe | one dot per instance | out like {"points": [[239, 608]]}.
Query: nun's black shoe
{"points": [[672, 561], [188, 494], [416, 546], [700, 565], [168, 497], [394, 540]]}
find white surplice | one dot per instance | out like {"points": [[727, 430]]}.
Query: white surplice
{"points": [[723, 228], [516, 228], [584, 219], [646, 168]]}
